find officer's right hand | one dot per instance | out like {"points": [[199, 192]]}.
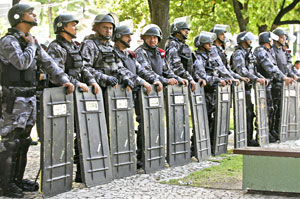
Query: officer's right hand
{"points": [[288, 80], [70, 87], [29, 38], [223, 83], [172, 81], [261, 81], [128, 82], [83, 87], [245, 79], [148, 87], [193, 85], [202, 82], [158, 85], [96, 88], [112, 81]]}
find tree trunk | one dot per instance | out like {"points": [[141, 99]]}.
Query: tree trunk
{"points": [[14, 2], [159, 12], [262, 28], [49, 11], [237, 6]]}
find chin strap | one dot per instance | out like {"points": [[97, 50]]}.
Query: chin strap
{"points": [[71, 35], [125, 43], [33, 23]]}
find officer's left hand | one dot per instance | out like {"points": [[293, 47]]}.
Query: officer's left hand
{"points": [[193, 84], [148, 87], [245, 79], [228, 81], [84, 87], [128, 88], [184, 82], [70, 87], [129, 83], [202, 82], [236, 81], [295, 77], [158, 85], [96, 88]]}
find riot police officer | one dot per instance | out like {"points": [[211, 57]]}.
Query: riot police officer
{"points": [[122, 39], [152, 57], [210, 60], [267, 66], [19, 53], [281, 61], [243, 63], [179, 54], [219, 43], [67, 56], [100, 56]]}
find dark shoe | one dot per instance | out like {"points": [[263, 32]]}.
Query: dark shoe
{"points": [[139, 164], [272, 139], [275, 135], [78, 177], [13, 191], [34, 143], [229, 132], [28, 185], [253, 143]]}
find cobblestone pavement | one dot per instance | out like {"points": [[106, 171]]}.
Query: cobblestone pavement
{"points": [[147, 185]]}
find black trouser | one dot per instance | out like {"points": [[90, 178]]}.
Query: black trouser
{"points": [[211, 102], [249, 113], [14, 159], [276, 97], [139, 133]]}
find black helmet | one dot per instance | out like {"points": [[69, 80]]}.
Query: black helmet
{"points": [[204, 37], [120, 31], [220, 29], [105, 18], [61, 21], [15, 14], [279, 32], [267, 37], [177, 26], [244, 36], [152, 30]]}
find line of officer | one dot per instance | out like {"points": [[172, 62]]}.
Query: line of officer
{"points": [[19, 54]]}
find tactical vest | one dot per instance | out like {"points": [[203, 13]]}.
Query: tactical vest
{"points": [[129, 62], [156, 60], [281, 60], [271, 59], [185, 54], [74, 60], [210, 68], [11, 76], [107, 59]]}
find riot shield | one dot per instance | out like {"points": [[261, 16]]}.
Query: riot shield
{"points": [[289, 112], [153, 130], [222, 116], [178, 134], [119, 115], [56, 141], [240, 117], [201, 136], [262, 114], [93, 146]]}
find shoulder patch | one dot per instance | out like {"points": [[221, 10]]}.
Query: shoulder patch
{"points": [[162, 53], [132, 54]]}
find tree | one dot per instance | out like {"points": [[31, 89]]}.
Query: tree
{"points": [[14, 2]]}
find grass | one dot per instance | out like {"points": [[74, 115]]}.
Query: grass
{"points": [[226, 175]]}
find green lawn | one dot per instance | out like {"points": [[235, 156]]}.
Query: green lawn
{"points": [[226, 175]]}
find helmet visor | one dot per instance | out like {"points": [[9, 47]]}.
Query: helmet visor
{"points": [[207, 37], [186, 19], [220, 28], [274, 37], [249, 36]]}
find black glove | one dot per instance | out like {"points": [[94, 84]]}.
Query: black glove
{"points": [[128, 82], [112, 81]]}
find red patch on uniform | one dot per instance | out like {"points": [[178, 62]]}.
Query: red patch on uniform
{"points": [[132, 54], [162, 53], [77, 43]]}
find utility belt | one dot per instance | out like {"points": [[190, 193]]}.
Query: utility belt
{"points": [[10, 95]]}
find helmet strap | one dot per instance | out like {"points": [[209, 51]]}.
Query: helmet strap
{"points": [[32, 23], [125, 43]]}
